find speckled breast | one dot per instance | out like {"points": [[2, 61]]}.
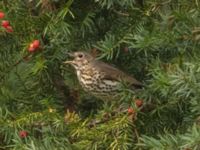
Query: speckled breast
{"points": [[93, 82]]}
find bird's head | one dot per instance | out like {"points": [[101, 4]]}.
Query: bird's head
{"points": [[80, 59]]}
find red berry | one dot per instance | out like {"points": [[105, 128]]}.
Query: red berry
{"points": [[36, 44], [9, 29], [2, 15], [31, 48], [5, 23], [31, 45], [23, 134], [131, 111], [139, 102]]}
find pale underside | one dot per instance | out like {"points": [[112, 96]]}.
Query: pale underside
{"points": [[102, 80]]}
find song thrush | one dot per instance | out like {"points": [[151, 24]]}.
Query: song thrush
{"points": [[98, 78]]}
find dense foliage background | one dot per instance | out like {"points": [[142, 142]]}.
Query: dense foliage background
{"points": [[42, 106]]}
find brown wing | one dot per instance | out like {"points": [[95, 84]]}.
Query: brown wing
{"points": [[112, 73]]}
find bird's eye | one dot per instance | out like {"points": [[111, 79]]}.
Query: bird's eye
{"points": [[80, 55]]}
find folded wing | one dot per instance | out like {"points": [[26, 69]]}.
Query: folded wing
{"points": [[112, 73]]}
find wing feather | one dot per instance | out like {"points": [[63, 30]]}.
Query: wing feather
{"points": [[112, 73]]}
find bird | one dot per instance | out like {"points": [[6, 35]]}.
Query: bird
{"points": [[99, 78]]}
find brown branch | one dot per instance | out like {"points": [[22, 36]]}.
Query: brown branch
{"points": [[22, 59], [121, 13], [64, 92], [14, 65], [106, 117]]}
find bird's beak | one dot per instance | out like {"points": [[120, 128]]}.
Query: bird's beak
{"points": [[68, 62], [70, 55]]}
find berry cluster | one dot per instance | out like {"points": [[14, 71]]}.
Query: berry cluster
{"points": [[138, 104], [5, 23], [34, 46]]}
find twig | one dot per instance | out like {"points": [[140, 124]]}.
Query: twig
{"points": [[107, 118], [64, 93], [137, 136], [121, 13], [14, 65]]}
